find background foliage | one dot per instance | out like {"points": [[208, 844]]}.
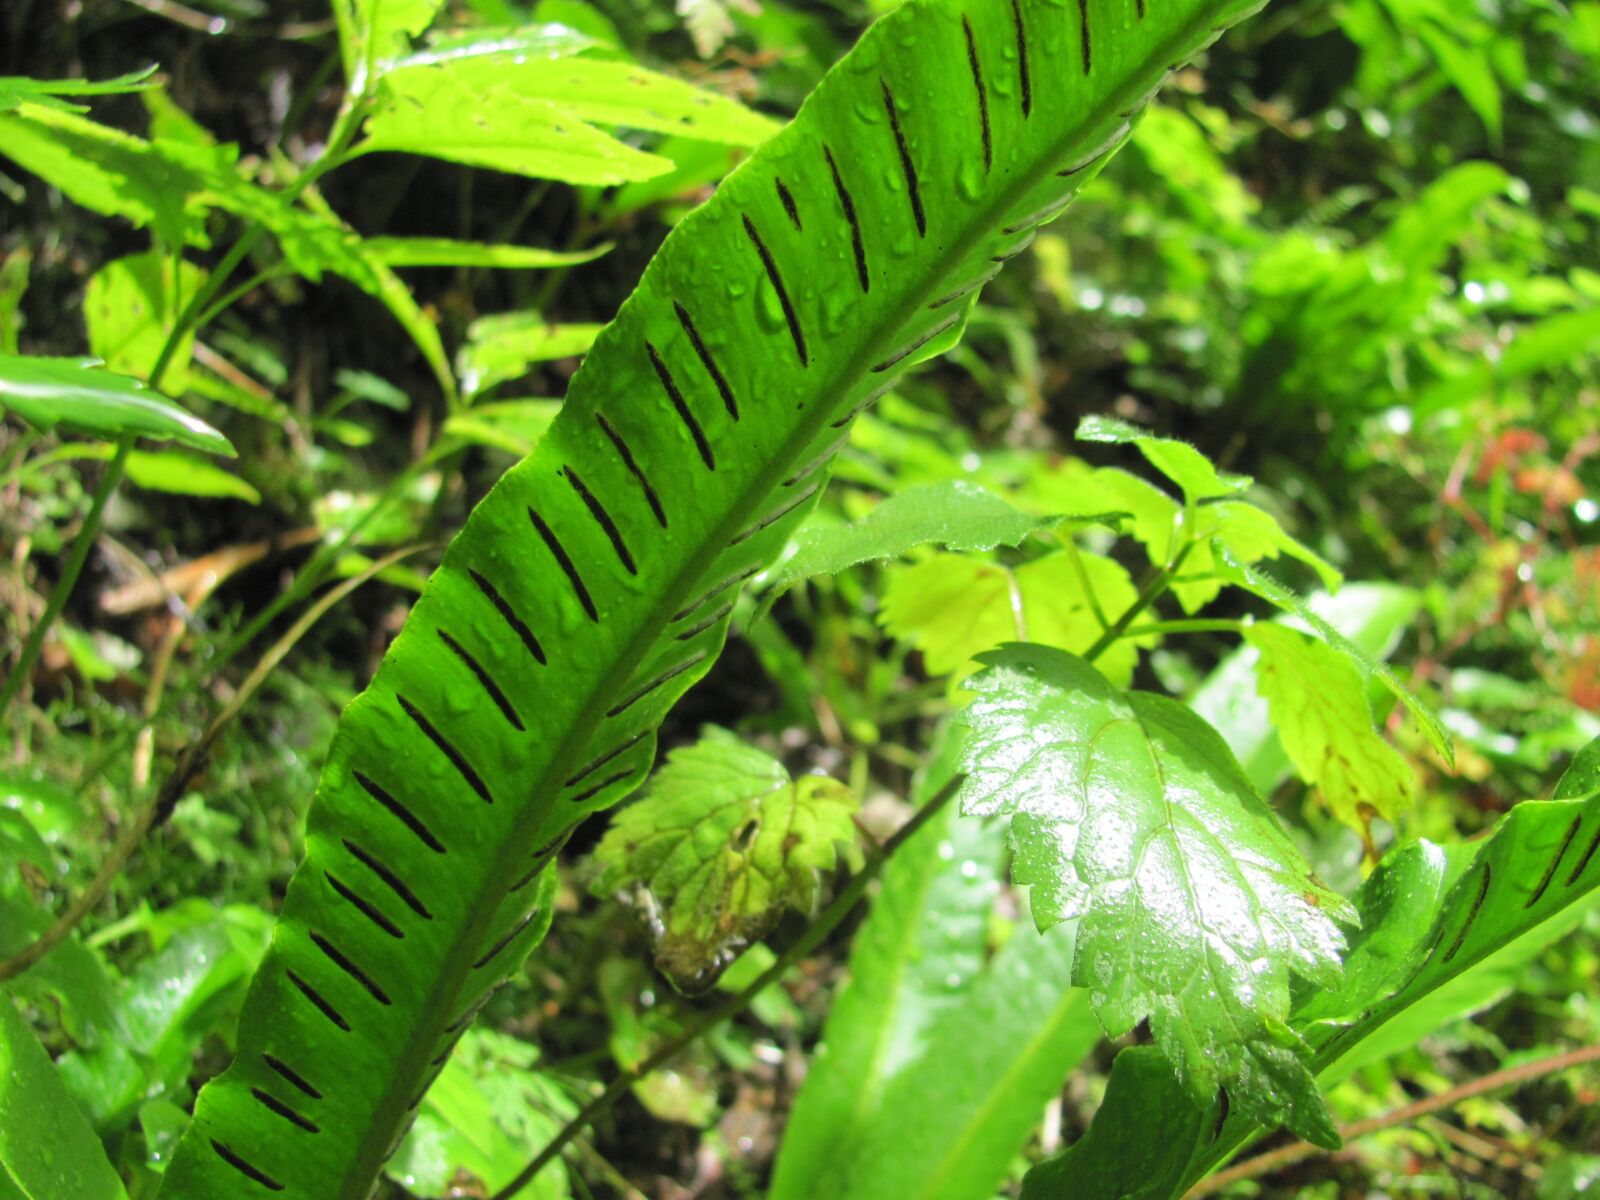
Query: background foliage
{"points": [[1351, 255]]}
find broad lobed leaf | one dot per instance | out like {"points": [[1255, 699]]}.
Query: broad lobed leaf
{"points": [[720, 846], [1439, 925], [1131, 817]]}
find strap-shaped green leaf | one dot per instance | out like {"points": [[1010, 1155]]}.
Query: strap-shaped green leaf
{"points": [[594, 584]]}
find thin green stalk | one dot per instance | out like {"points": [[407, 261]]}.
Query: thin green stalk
{"points": [[1075, 557], [1155, 584], [1178, 627], [190, 761], [87, 532], [836, 912], [201, 302]]}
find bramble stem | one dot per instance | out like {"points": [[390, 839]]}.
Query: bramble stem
{"points": [[1285, 1156], [825, 924]]}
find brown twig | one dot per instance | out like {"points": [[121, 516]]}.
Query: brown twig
{"points": [[1285, 1156]]}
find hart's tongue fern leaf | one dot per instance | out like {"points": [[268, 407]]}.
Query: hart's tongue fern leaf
{"points": [[593, 585]]}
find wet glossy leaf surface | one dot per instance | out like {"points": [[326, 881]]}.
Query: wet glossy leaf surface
{"points": [[1131, 817]]}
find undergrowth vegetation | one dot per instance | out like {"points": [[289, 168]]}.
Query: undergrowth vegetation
{"points": [[967, 599]]}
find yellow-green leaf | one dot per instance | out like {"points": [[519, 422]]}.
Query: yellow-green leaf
{"points": [[723, 842], [1319, 707]]}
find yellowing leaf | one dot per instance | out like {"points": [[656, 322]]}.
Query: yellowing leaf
{"points": [[1319, 706], [954, 608], [723, 842]]}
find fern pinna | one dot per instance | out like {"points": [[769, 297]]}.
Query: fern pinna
{"points": [[594, 584]]}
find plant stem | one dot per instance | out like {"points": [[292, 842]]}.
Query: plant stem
{"points": [[87, 532], [836, 912], [200, 304], [1201, 625], [1284, 1156], [189, 763], [1155, 584]]}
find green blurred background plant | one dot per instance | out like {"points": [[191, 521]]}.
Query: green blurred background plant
{"points": [[1354, 253]]}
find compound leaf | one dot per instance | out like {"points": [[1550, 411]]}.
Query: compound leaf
{"points": [[723, 842], [1319, 707], [594, 584], [1131, 817]]}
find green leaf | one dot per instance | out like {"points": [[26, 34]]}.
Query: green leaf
{"points": [[16, 89], [511, 425], [107, 171], [1319, 707], [1372, 615], [1259, 583], [442, 112], [594, 583], [953, 608], [47, 1150], [74, 394], [1439, 925], [1139, 1146], [1180, 462], [613, 93], [490, 1104], [132, 305], [503, 347], [445, 252], [721, 845], [1131, 817], [937, 1058], [915, 957], [957, 515]]}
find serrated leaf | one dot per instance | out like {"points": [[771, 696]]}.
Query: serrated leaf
{"points": [[74, 393], [721, 845], [1156, 520], [953, 608], [1372, 615], [1258, 583], [1180, 462], [956, 515], [107, 171], [1435, 921], [1131, 817], [47, 1150], [1319, 707]]}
